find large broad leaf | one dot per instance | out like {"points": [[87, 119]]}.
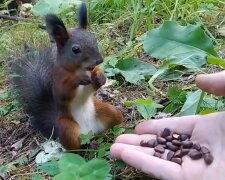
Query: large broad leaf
{"points": [[171, 39], [73, 166], [132, 70], [66, 176], [186, 46], [50, 168], [192, 104], [44, 7], [95, 169], [69, 162], [171, 68]]}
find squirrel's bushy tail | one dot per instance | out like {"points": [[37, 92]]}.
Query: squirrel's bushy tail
{"points": [[32, 78]]}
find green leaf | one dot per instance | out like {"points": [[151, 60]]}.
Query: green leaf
{"points": [[134, 70], [111, 72], [94, 170], [3, 169], [86, 138], [216, 61], [66, 175], [186, 46], [211, 103], [171, 68], [177, 96], [147, 108], [22, 160], [44, 7], [117, 130], [101, 153], [146, 111], [171, 39], [103, 149], [120, 164], [50, 168], [207, 111], [111, 60], [69, 162], [8, 168], [192, 104], [4, 96]]}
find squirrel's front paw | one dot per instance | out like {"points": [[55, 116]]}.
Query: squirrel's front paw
{"points": [[98, 79], [85, 80]]}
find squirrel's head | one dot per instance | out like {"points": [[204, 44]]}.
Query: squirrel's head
{"points": [[77, 48]]}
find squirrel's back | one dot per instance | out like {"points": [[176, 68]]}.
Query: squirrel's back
{"points": [[32, 78]]}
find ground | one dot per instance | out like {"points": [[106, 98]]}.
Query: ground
{"points": [[20, 143]]}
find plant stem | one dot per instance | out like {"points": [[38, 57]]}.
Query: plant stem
{"points": [[174, 10], [200, 101]]}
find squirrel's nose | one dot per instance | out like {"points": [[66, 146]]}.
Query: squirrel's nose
{"points": [[99, 61]]}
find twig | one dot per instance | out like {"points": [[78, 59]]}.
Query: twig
{"points": [[23, 174], [13, 18]]}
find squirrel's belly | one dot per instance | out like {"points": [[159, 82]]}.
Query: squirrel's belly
{"points": [[84, 114]]}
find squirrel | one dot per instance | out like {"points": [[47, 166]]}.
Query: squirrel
{"points": [[57, 85]]}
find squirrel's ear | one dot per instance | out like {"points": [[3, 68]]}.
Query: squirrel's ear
{"points": [[56, 30], [83, 16]]}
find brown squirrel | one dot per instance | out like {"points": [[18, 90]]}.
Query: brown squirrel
{"points": [[57, 85]]}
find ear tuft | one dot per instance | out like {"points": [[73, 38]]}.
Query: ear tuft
{"points": [[83, 16], [56, 30]]}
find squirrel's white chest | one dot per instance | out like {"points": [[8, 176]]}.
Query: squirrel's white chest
{"points": [[83, 111]]}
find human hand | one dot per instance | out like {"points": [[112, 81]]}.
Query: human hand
{"points": [[208, 130]]}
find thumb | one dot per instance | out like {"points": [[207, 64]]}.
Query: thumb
{"points": [[151, 165], [212, 83]]}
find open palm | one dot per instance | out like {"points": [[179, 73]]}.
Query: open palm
{"points": [[208, 130]]}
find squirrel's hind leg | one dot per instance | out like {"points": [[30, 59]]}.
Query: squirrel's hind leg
{"points": [[107, 114]]}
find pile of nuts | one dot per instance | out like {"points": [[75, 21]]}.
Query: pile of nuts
{"points": [[179, 145]]}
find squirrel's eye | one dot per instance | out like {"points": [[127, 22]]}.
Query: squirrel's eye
{"points": [[76, 49]]}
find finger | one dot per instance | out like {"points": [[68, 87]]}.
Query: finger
{"points": [[183, 125], [134, 139], [157, 167], [212, 83], [117, 149]]}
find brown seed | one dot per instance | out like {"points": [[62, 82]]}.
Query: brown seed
{"points": [[159, 149], [166, 132], [194, 154], [170, 155], [157, 154], [171, 146], [184, 137], [184, 151], [208, 158], [169, 138], [178, 154], [196, 146], [176, 136], [176, 142], [205, 150], [144, 143], [161, 140], [177, 160], [187, 144], [151, 143]]}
